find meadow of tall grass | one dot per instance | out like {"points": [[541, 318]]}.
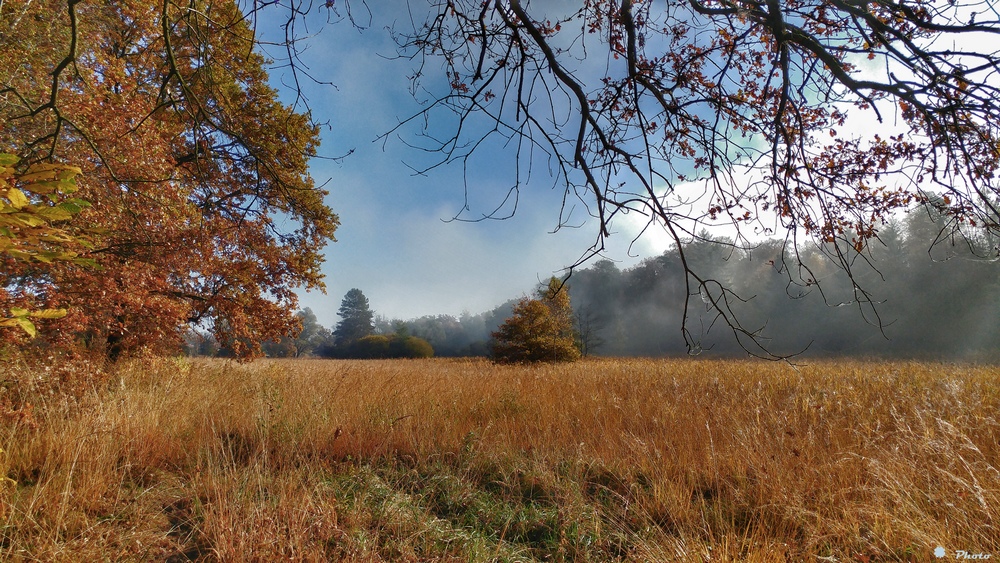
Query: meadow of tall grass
{"points": [[463, 460]]}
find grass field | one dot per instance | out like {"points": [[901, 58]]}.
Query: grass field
{"points": [[459, 460]]}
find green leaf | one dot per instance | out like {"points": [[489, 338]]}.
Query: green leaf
{"points": [[55, 213], [7, 159], [18, 254], [69, 173], [69, 207], [57, 254], [89, 262], [18, 312]]}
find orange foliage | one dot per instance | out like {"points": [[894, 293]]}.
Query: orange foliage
{"points": [[192, 165], [539, 330]]}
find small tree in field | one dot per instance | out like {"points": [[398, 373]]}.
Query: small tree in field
{"points": [[539, 330]]}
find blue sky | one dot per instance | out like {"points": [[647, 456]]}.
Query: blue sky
{"points": [[395, 242]]}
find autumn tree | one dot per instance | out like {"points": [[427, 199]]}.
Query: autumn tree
{"points": [[203, 211], [355, 319], [814, 119], [539, 330]]}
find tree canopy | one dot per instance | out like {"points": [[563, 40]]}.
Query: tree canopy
{"points": [[203, 210]]}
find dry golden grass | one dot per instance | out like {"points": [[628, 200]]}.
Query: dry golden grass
{"points": [[462, 460]]}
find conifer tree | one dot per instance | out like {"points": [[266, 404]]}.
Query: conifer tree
{"points": [[356, 318]]}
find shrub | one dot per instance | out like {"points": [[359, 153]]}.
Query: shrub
{"points": [[378, 346], [369, 347], [410, 347]]}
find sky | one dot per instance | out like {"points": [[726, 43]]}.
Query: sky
{"points": [[396, 241]]}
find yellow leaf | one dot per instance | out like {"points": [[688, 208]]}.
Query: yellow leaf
{"points": [[18, 312], [69, 172], [30, 220], [49, 314], [27, 326], [43, 187], [17, 198]]}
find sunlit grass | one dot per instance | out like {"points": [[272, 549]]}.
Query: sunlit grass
{"points": [[468, 461]]}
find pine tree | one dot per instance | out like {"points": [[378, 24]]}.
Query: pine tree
{"points": [[356, 318]]}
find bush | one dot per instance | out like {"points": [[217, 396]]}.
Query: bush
{"points": [[379, 346], [370, 347], [410, 347]]}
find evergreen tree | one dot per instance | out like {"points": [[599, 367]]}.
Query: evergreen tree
{"points": [[356, 318]]}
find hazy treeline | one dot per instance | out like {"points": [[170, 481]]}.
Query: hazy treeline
{"points": [[380, 339], [927, 297]]}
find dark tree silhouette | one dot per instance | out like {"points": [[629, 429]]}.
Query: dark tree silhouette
{"points": [[356, 318]]}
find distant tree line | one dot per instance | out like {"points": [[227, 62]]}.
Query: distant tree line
{"points": [[355, 336], [914, 295]]}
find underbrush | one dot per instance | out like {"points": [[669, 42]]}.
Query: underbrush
{"points": [[463, 460]]}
